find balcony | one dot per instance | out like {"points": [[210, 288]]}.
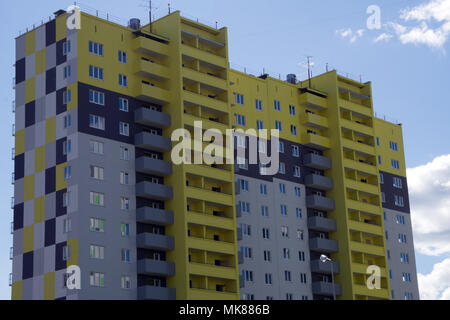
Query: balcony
{"points": [[154, 216], [213, 271], [204, 56], [200, 77], [155, 241], [222, 199], [202, 100], [314, 121], [316, 141], [154, 191], [326, 288], [357, 126], [355, 107], [360, 166], [316, 161], [211, 245], [362, 186], [321, 224], [323, 245], [152, 142], [371, 249], [150, 47], [364, 207], [310, 100], [152, 118], [152, 166], [202, 294], [318, 266], [153, 94], [211, 220], [152, 70], [358, 146], [382, 293], [156, 293], [318, 182], [365, 227], [320, 203], [156, 268]]}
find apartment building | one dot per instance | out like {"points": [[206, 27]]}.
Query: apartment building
{"points": [[95, 185]]}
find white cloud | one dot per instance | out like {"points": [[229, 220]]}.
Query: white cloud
{"points": [[436, 285], [350, 34], [383, 37]]}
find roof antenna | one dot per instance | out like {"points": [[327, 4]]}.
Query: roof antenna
{"points": [[309, 70]]}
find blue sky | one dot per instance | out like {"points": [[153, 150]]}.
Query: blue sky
{"points": [[408, 69]]}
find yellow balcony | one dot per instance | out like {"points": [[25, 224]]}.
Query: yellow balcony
{"points": [[357, 146], [211, 245], [150, 47], [203, 294], [365, 227], [355, 107], [310, 100], [152, 70], [204, 56], [362, 269], [206, 101], [364, 207], [209, 196], [352, 125], [204, 78], [367, 248], [210, 220], [153, 94], [375, 293], [209, 172], [314, 121], [316, 141], [361, 186], [207, 124], [214, 271], [360, 166]]}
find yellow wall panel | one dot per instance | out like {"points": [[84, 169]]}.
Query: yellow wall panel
{"points": [[28, 239], [20, 142], [30, 42], [61, 27], [40, 61], [74, 95], [60, 182], [49, 286], [39, 159], [29, 188], [39, 210], [30, 90], [16, 291], [73, 261], [50, 130]]}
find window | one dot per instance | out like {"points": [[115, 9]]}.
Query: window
{"points": [[240, 119], [297, 192], [296, 172], [125, 229], [408, 296], [123, 104], [265, 233], [246, 229], [383, 197], [293, 130], [123, 56], [66, 253], [397, 182], [281, 147], [287, 275], [277, 105], [378, 141], [97, 97], [298, 213], [96, 147], [126, 255], [282, 169], [67, 121], [300, 234], [283, 210], [406, 277], [282, 188], [398, 201], [247, 252], [264, 211], [124, 204], [124, 153], [124, 178], [303, 278], [259, 125], [395, 164], [278, 125], [263, 189], [248, 275], [67, 147], [123, 80], [268, 278], [66, 47], [245, 206], [381, 178], [67, 173], [67, 225], [404, 258], [96, 122], [67, 96], [289, 296], [97, 279], [242, 163], [267, 256], [241, 141], [301, 256], [258, 104], [286, 253], [124, 129], [292, 111], [400, 219], [243, 184], [285, 232], [67, 72], [97, 225], [97, 199], [96, 48], [96, 172], [295, 151], [97, 252], [401, 238], [379, 160], [125, 282], [66, 199], [239, 98], [96, 73], [393, 146]]}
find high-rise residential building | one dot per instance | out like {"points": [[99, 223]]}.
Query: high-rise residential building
{"points": [[96, 185]]}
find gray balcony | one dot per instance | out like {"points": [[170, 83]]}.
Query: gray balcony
{"points": [[323, 245], [318, 182], [152, 118], [321, 224], [156, 268], [318, 162], [240, 257], [238, 211], [156, 293], [239, 234], [152, 166], [318, 266], [154, 216], [241, 281], [154, 191], [326, 288], [148, 141], [154, 241], [320, 203]]}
